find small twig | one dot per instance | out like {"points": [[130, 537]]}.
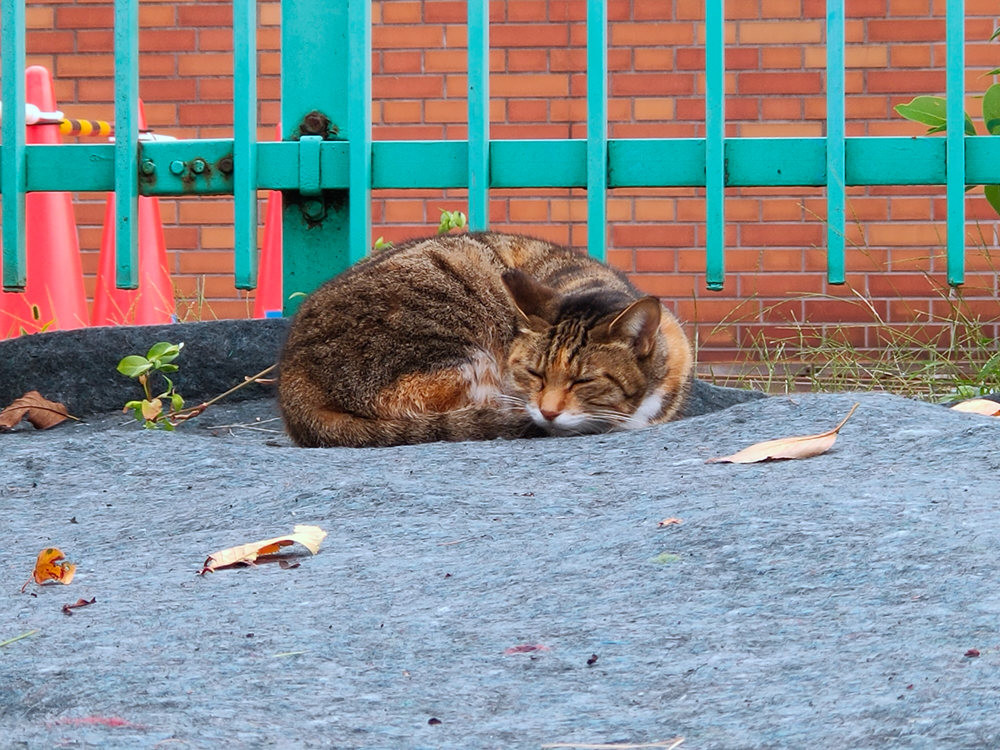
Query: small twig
{"points": [[456, 541], [249, 425], [17, 638], [185, 414]]}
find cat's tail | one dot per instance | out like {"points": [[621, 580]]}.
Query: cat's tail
{"points": [[323, 428], [312, 425]]}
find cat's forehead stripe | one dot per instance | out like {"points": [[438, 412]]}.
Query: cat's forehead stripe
{"points": [[566, 341]]}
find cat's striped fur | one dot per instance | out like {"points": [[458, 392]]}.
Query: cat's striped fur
{"points": [[478, 336]]}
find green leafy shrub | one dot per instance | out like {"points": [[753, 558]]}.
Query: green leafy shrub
{"points": [[930, 111], [154, 411]]}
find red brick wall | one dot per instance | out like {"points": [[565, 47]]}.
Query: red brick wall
{"points": [[775, 71]]}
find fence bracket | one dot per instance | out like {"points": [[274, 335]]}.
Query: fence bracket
{"points": [[312, 206]]}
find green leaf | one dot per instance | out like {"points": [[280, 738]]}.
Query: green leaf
{"points": [[992, 193], [176, 402], [168, 368], [995, 34], [133, 366], [991, 109], [931, 111], [163, 352], [665, 558], [451, 220]]}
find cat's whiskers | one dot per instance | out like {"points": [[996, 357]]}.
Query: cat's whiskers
{"points": [[510, 401], [609, 417]]}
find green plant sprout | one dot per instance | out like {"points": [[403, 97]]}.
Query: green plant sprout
{"points": [[930, 111], [382, 243], [152, 410], [157, 362], [451, 220]]}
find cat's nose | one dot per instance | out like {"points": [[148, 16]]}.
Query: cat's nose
{"points": [[549, 415]]}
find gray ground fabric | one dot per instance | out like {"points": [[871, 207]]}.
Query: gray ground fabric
{"points": [[831, 602]]}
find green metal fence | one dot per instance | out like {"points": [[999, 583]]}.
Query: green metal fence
{"points": [[327, 164]]}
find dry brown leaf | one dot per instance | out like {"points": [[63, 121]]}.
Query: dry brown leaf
{"points": [[38, 410], [670, 522], [804, 446], [68, 608], [49, 568], [310, 537], [979, 406], [526, 648]]}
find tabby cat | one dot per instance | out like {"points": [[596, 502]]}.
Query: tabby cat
{"points": [[478, 336]]}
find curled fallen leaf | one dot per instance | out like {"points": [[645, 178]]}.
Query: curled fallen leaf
{"points": [[51, 566], [982, 406], [68, 608], [972, 653], [669, 522], [37, 409], [804, 446], [310, 537]]}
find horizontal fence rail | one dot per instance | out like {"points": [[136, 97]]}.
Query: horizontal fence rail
{"points": [[327, 164]]}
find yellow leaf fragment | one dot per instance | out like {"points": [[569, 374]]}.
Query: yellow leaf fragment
{"points": [[51, 566], [310, 537], [804, 446], [670, 522], [152, 409], [979, 406]]}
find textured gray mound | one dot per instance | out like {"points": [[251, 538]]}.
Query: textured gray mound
{"points": [[77, 368], [820, 603]]}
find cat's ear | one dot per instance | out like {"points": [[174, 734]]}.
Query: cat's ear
{"points": [[638, 323], [532, 299]]}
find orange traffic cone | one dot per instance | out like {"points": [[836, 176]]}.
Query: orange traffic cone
{"points": [[54, 296], [267, 303], [153, 302]]}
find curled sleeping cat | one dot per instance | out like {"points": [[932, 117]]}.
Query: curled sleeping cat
{"points": [[474, 337]]}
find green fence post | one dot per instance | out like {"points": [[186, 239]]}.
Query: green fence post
{"points": [[835, 144], [478, 52], [715, 144], [316, 62], [955, 136], [126, 144], [245, 143], [597, 128], [13, 273]]}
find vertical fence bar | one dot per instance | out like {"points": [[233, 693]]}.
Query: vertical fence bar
{"points": [[126, 143], [479, 114], [715, 143], [13, 179], [955, 146], [597, 127], [835, 152], [316, 69], [359, 124], [245, 142]]}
